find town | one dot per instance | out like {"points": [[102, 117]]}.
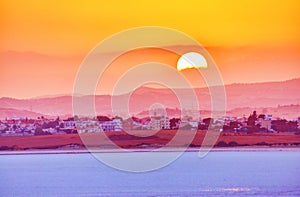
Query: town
{"points": [[45, 126]]}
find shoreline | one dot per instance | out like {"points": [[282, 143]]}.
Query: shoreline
{"points": [[109, 143], [95, 151]]}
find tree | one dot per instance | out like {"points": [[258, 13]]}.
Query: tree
{"points": [[14, 127], [207, 121], [279, 125], [234, 124], [292, 126], [103, 118], [227, 128], [38, 131], [174, 123], [284, 126], [251, 119]]}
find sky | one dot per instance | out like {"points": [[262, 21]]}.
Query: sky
{"points": [[42, 43]]}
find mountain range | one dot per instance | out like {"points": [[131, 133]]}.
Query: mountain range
{"points": [[281, 98]]}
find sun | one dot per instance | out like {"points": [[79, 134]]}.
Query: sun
{"points": [[191, 60]]}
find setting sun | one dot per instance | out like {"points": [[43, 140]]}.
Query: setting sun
{"points": [[191, 60]]}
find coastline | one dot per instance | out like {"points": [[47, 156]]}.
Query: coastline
{"points": [[84, 151], [100, 143]]}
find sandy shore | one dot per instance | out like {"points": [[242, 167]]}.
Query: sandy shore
{"points": [[100, 142]]}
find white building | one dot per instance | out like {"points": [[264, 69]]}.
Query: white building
{"points": [[159, 122], [88, 126], [112, 125], [194, 124], [69, 124], [265, 122]]}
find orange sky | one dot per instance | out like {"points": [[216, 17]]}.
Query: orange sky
{"points": [[42, 43]]}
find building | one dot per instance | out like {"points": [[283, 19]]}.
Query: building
{"points": [[88, 126], [111, 125], [159, 122], [68, 124], [265, 121], [266, 124]]}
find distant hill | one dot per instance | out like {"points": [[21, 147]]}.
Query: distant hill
{"points": [[15, 113], [239, 96], [283, 111]]}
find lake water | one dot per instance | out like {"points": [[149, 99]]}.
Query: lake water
{"points": [[273, 173]]}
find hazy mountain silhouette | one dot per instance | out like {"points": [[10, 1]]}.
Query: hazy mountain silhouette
{"points": [[15, 113], [239, 96]]}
